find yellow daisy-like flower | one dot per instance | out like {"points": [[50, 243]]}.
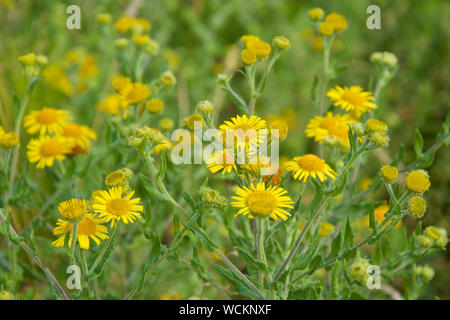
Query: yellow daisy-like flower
{"points": [[79, 135], [119, 82], [282, 127], [261, 201], [114, 104], [389, 173], [112, 206], [154, 106], [310, 165], [320, 128], [353, 99], [418, 181], [125, 24], [316, 14], [365, 184], [326, 29], [8, 139], [45, 150], [244, 131], [260, 48], [379, 213], [136, 92], [47, 120], [88, 228], [73, 209], [248, 57], [223, 160], [326, 228], [58, 79], [337, 20]]}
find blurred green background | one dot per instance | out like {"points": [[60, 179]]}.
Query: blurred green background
{"points": [[201, 35]]}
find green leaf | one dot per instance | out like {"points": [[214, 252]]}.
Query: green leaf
{"points": [[250, 260], [189, 199], [162, 166], [302, 261], [202, 237], [151, 189], [377, 255], [315, 263], [313, 93], [348, 236], [418, 144], [239, 284], [336, 278], [372, 221], [336, 245], [387, 248]]}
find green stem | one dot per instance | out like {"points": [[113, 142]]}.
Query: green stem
{"points": [[103, 251], [73, 244]]}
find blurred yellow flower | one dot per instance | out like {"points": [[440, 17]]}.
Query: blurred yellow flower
{"points": [[79, 135], [337, 20], [45, 150]]}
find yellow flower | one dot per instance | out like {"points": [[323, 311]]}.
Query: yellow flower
{"points": [[329, 125], [247, 38], [223, 160], [104, 18], [79, 135], [28, 59], [8, 139], [124, 24], [337, 20], [154, 106], [45, 150], [260, 48], [89, 68], [281, 42], [88, 228], [310, 165], [47, 120], [141, 40], [58, 79], [239, 126], [119, 82], [282, 128], [352, 99], [166, 124], [379, 139], [136, 92], [326, 228], [73, 209], [379, 216], [389, 173], [117, 177], [248, 57], [163, 146], [114, 104], [262, 202], [171, 296], [254, 165], [365, 183], [374, 125], [192, 119], [417, 206], [168, 79], [418, 181], [112, 206], [316, 14], [326, 29]]}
